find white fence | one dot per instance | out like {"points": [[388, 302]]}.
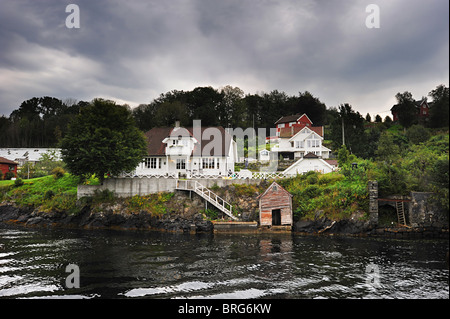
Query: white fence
{"points": [[243, 174]]}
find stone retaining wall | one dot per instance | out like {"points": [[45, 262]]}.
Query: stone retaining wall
{"points": [[128, 187]]}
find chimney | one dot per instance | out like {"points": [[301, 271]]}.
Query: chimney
{"points": [[177, 124]]}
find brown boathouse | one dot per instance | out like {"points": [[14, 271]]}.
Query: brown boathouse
{"points": [[275, 207]]}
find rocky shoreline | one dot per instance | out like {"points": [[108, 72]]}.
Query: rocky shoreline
{"points": [[195, 223], [89, 219], [361, 227]]}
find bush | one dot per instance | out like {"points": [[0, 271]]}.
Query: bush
{"points": [[312, 191], [49, 194], [9, 175], [18, 182], [312, 178], [58, 172], [211, 214], [102, 196], [417, 134]]}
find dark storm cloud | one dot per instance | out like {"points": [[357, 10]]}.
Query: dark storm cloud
{"points": [[132, 51]]}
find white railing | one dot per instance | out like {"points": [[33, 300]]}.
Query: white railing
{"points": [[208, 195], [245, 174], [135, 174]]}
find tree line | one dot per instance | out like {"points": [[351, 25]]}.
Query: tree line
{"points": [[44, 121]]}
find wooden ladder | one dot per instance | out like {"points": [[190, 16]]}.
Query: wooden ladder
{"points": [[207, 195], [401, 213]]}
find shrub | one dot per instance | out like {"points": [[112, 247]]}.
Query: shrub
{"points": [[58, 172], [9, 175], [311, 191], [49, 194], [18, 182], [211, 214], [102, 196], [312, 179]]}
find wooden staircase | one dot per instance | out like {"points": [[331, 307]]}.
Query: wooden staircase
{"points": [[208, 195], [400, 206]]}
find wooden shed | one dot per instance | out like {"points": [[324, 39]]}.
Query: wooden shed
{"points": [[275, 207]]}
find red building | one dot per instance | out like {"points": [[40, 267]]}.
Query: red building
{"points": [[8, 166], [422, 108], [292, 124]]}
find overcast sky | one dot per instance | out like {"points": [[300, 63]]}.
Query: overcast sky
{"points": [[132, 51]]}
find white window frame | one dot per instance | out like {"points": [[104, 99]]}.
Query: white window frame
{"points": [[181, 163]]}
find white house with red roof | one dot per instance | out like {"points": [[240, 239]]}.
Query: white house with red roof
{"points": [[298, 137]]}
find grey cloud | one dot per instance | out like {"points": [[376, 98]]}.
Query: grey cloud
{"points": [[135, 50]]}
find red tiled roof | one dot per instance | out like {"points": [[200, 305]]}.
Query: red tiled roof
{"points": [[332, 162], [291, 131], [7, 161]]}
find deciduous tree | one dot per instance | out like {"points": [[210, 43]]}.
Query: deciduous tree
{"points": [[103, 139]]}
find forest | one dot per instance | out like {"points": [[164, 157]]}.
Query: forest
{"points": [[43, 121]]}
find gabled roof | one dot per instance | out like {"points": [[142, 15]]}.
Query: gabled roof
{"points": [[417, 104], [299, 132], [270, 187], [7, 161], [293, 118], [287, 132], [308, 156], [156, 136], [332, 162]]}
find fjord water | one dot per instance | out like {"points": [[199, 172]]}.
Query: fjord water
{"points": [[127, 264]]}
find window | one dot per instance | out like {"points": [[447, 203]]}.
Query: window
{"points": [[181, 163], [208, 163], [299, 144], [152, 162], [147, 162], [313, 143]]}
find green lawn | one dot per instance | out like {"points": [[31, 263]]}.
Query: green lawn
{"points": [[47, 193]]}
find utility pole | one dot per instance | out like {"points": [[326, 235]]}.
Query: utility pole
{"points": [[343, 137]]}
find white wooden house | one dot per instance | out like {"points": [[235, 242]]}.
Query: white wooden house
{"points": [[191, 151], [299, 141]]}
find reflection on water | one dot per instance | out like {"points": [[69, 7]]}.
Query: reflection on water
{"points": [[117, 264]]}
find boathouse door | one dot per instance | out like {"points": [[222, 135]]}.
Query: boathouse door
{"points": [[276, 217]]}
